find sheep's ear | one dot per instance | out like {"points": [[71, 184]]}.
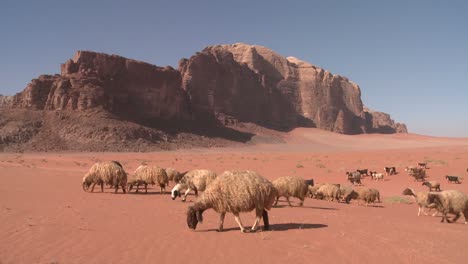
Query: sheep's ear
{"points": [[199, 214]]}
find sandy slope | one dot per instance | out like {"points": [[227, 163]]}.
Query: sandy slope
{"points": [[47, 218]]}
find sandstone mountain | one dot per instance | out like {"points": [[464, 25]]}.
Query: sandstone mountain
{"points": [[213, 94]]}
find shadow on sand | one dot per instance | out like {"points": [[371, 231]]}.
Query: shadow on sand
{"points": [[274, 227]]}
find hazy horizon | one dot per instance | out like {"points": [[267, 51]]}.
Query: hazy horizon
{"points": [[410, 59]]}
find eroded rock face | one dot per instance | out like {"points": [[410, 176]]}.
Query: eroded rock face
{"points": [[5, 101], [125, 87], [255, 84], [223, 84]]}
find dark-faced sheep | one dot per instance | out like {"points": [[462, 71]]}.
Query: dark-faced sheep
{"points": [[290, 186], [452, 179], [149, 175], [368, 195], [174, 175], [235, 192], [196, 180], [420, 198], [363, 172], [432, 185], [449, 202], [107, 172], [390, 170]]}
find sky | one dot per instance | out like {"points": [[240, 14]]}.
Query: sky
{"points": [[410, 58]]}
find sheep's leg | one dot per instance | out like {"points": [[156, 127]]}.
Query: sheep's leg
{"points": [[277, 199], [123, 188], [419, 211], [239, 222], [258, 217], [146, 188], [302, 202], [185, 195], [138, 187], [102, 187], [287, 199], [454, 219], [92, 187], [221, 222], [266, 221], [116, 188]]}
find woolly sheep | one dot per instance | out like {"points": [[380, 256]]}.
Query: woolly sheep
{"points": [[196, 180], [368, 195], [235, 192], [345, 191], [149, 175], [449, 202], [107, 172], [312, 190], [354, 177], [432, 185], [290, 186], [377, 176], [329, 191], [420, 198], [174, 175]]}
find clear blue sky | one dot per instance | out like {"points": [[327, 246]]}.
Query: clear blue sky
{"points": [[410, 58]]}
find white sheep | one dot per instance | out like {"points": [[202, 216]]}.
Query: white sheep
{"points": [[290, 186], [196, 180], [449, 202], [420, 198], [107, 172], [149, 175]]}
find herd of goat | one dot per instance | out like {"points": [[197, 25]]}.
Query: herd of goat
{"points": [[244, 191]]}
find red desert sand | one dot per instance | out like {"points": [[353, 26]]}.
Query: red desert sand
{"points": [[46, 217]]}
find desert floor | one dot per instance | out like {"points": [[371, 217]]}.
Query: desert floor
{"points": [[46, 217]]}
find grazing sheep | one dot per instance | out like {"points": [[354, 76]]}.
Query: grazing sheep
{"points": [[418, 174], [390, 170], [449, 202], [452, 179], [149, 175], [107, 172], [432, 185], [235, 192], [174, 175], [309, 182], [363, 172], [377, 176], [422, 165], [344, 191], [312, 190], [196, 180], [354, 177], [368, 195], [329, 192], [420, 198], [290, 186]]}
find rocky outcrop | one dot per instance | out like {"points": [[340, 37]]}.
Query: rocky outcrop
{"points": [[5, 101], [379, 122], [222, 84], [127, 88], [255, 84]]}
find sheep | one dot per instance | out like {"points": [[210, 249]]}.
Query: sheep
{"points": [[452, 179], [107, 172], [235, 192], [309, 182], [354, 177], [449, 202], [422, 165], [174, 175], [344, 191], [368, 195], [149, 175], [363, 172], [390, 170], [329, 191], [312, 190], [432, 185], [420, 198], [196, 180], [377, 176], [290, 186], [417, 173]]}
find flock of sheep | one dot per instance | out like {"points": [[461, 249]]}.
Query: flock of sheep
{"points": [[243, 191]]}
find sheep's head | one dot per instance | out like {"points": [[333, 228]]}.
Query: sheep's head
{"points": [[175, 193], [86, 183], [351, 195], [194, 215]]}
